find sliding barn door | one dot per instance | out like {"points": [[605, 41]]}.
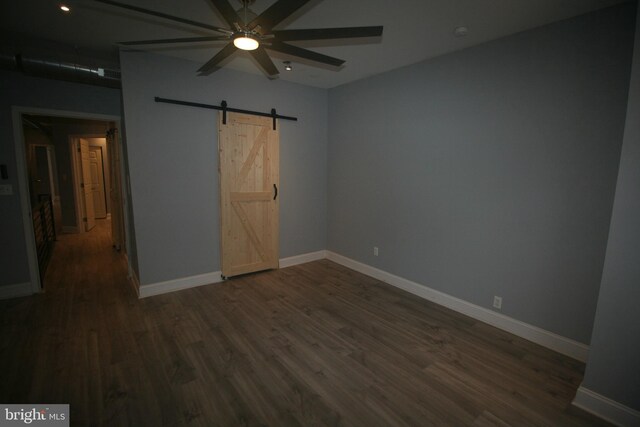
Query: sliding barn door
{"points": [[249, 162]]}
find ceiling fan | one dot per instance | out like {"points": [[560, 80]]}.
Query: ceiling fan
{"points": [[255, 34]]}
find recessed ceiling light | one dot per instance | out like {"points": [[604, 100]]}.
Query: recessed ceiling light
{"points": [[287, 65], [65, 8], [460, 31]]}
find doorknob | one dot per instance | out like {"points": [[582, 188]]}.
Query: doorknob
{"points": [[275, 191]]}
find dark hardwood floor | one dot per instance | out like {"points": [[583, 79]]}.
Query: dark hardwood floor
{"points": [[315, 344]]}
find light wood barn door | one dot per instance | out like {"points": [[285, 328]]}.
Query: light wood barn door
{"points": [[249, 179]]}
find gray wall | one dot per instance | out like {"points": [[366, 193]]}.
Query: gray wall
{"points": [[24, 91], [614, 357], [172, 154], [490, 171]]}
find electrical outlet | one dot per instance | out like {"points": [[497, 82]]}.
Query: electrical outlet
{"points": [[497, 302], [375, 251]]}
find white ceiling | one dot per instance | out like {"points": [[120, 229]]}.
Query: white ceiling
{"points": [[414, 30]]}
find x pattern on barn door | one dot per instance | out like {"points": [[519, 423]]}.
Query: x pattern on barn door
{"points": [[249, 161]]}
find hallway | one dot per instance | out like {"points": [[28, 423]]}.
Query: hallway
{"points": [[86, 264]]}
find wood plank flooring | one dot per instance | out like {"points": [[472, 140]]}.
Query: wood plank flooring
{"points": [[315, 344]]}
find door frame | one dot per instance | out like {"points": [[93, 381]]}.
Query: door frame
{"points": [[23, 182]]}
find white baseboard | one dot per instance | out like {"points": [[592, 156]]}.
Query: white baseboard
{"points": [[16, 290], [532, 333], [211, 278], [179, 284], [69, 229], [301, 259], [605, 408]]}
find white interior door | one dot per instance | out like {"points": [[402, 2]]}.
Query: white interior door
{"points": [[86, 185], [97, 182]]}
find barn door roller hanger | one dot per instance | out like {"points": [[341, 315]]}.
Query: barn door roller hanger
{"points": [[224, 108]]}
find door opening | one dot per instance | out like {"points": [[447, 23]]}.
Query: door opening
{"points": [[51, 170]]}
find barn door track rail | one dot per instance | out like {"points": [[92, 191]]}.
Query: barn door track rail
{"points": [[224, 108]]}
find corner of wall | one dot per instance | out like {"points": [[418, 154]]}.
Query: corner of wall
{"points": [[566, 346], [605, 408]]}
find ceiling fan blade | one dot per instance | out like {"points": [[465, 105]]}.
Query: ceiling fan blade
{"points": [[180, 40], [328, 33], [227, 11], [265, 62], [276, 13], [165, 16], [212, 65], [305, 54]]}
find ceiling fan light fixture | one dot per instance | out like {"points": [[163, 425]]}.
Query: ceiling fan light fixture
{"points": [[246, 41]]}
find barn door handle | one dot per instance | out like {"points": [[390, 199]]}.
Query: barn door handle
{"points": [[275, 191]]}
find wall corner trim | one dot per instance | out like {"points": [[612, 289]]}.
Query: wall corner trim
{"points": [[566, 346], [605, 408], [212, 277], [16, 290]]}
